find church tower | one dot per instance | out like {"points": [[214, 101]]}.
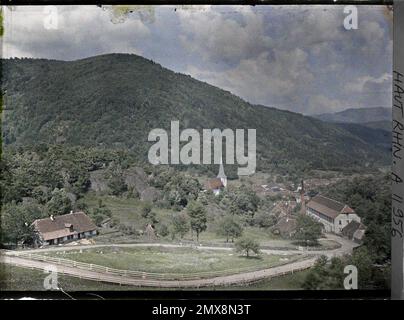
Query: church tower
{"points": [[221, 175], [303, 203]]}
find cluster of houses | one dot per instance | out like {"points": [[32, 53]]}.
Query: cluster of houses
{"points": [[336, 217]]}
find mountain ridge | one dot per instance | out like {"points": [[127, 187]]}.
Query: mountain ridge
{"points": [[357, 115], [114, 100]]}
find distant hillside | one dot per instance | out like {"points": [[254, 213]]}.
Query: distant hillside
{"points": [[383, 124], [362, 115], [378, 137], [114, 100]]}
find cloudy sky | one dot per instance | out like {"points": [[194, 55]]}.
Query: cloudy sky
{"points": [[299, 58]]}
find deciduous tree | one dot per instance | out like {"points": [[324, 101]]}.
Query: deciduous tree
{"points": [[229, 228], [247, 245], [197, 214], [307, 230]]}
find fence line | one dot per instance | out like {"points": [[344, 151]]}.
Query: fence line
{"points": [[142, 274], [176, 284]]}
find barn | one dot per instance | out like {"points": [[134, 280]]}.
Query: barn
{"points": [[333, 214]]}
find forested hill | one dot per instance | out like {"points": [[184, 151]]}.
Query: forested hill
{"points": [[358, 115], [114, 100]]}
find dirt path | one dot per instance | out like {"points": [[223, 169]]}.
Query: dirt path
{"points": [[346, 247], [11, 257]]}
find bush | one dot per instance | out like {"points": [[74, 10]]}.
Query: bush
{"points": [[82, 206], [264, 220], [146, 210], [163, 230], [132, 193], [114, 222], [98, 219], [330, 274], [153, 218]]}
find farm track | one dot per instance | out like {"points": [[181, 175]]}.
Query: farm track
{"points": [[12, 257]]}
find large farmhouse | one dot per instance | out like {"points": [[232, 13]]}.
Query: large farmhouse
{"points": [[333, 214], [64, 228]]}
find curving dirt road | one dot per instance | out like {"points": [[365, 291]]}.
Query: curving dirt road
{"points": [[12, 257]]}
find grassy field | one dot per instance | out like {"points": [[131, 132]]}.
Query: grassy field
{"points": [[128, 211], [292, 281], [172, 260], [22, 279]]}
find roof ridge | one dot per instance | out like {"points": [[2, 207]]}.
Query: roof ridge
{"points": [[59, 215], [320, 195]]}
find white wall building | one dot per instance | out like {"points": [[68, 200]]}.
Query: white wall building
{"points": [[333, 214]]}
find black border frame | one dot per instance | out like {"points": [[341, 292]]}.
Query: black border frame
{"points": [[197, 2], [194, 296]]}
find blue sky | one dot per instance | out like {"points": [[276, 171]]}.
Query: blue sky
{"points": [[299, 58]]}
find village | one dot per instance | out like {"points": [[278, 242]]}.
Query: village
{"points": [[200, 149], [79, 244], [335, 217]]}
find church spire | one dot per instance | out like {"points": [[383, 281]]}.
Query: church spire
{"points": [[221, 175], [302, 200]]}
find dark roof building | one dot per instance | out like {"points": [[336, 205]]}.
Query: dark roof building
{"points": [[354, 231], [63, 228], [328, 207], [286, 227]]}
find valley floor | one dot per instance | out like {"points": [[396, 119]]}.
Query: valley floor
{"points": [[272, 263]]}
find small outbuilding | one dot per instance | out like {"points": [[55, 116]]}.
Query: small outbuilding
{"points": [[354, 231]]}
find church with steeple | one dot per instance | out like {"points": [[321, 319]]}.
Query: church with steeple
{"points": [[217, 184], [221, 175]]}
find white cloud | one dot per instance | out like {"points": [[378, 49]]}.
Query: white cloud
{"points": [[262, 80], [219, 37], [82, 31], [294, 57], [368, 84]]}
